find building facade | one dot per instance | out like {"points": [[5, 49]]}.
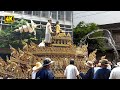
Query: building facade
{"points": [[41, 17], [114, 28]]}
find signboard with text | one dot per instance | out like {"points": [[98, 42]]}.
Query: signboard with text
{"points": [[9, 19]]}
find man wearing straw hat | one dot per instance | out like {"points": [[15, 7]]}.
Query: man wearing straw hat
{"points": [[36, 69], [103, 73], [45, 72], [90, 73]]}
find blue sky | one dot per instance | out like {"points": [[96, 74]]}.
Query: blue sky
{"points": [[98, 17]]}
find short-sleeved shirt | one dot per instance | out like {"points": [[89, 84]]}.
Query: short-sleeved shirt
{"points": [[71, 72], [45, 74]]}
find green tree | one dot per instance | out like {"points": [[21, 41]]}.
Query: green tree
{"points": [[16, 39], [83, 29]]}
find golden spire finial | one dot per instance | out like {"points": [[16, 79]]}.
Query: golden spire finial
{"points": [[103, 57], [68, 35], [92, 55]]}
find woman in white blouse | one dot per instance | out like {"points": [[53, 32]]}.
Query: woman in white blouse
{"points": [[35, 69]]}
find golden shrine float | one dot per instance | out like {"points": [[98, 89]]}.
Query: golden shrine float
{"points": [[61, 50]]}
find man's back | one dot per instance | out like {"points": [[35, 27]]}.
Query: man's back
{"points": [[102, 73], [71, 72], [115, 73], [96, 68], [45, 74]]}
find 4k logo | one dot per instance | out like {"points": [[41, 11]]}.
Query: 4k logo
{"points": [[9, 19]]}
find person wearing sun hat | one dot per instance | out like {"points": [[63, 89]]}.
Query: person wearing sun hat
{"points": [[104, 72], [89, 64], [90, 72], [35, 69], [45, 72]]}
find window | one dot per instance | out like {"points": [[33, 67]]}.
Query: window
{"points": [[116, 37], [28, 12], [9, 11], [1, 18], [19, 12], [68, 26], [45, 14], [36, 13], [54, 14], [68, 15], [43, 23], [5, 26], [60, 15]]}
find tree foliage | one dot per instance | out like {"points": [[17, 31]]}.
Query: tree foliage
{"points": [[16, 39], [83, 29]]}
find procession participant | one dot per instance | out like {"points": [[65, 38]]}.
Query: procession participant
{"points": [[48, 32], [58, 29], [90, 72], [71, 71], [35, 69], [103, 73], [109, 65], [97, 66], [45, 72], [115, 73]]}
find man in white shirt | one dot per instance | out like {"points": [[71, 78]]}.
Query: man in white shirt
{"points": [[115, 73], [48, 32], [71, 71]]}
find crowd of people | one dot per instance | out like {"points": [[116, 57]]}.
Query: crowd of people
{"points": [[43, 71], [96, 70]]}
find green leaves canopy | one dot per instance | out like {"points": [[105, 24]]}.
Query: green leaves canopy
{"points": [[16, 39], [83, 29]]}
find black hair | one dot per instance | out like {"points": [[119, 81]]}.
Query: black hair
{"points": [[72, 61], [57, 22], [49, 20]]}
